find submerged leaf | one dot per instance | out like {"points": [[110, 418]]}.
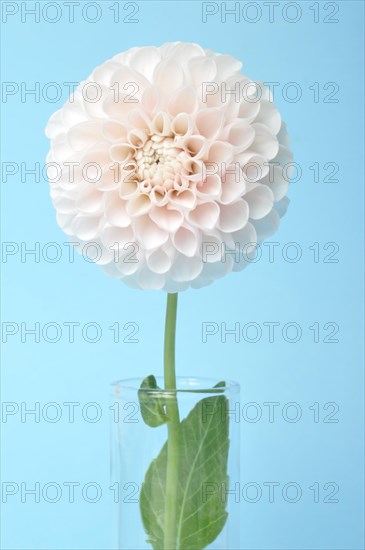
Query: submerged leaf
{"points": [[201, 510], [152, 404]]}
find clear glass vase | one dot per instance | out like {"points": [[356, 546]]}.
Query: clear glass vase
{"points": [[203, 505]]}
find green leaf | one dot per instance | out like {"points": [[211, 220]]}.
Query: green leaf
{"points": [[152, 404], [201, 514]]}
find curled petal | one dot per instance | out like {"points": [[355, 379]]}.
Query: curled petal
{"points": [[182, 199], [205, 215], [233, 216], [266, 226], [103, 73], [90, 201], [130, 84], [148, 280], [158, 261], [84, 135], [144, 60], [212, 247], [55, 125], [233, 187], [183, 52], [116, 210], [183, 100], [226, 65], [254, 167], [248, 110], [113, 130], [220, 152], [209, 122], [210, 187], [239, 134], [117, 106], [114, 238], [128, 188], [185, 268], [140, 120], [74, 111], [185, 240], [168, 76], [85, 227], [265, 143], [260, 201], [161, 124], [195, 169], [182, 124], [159, 195], [246, 245], [202, 69], [151, 99], [122, 152], [138, 205], [170, 219], [149, 233], [269, 116], [137, 138], [196, 146]]}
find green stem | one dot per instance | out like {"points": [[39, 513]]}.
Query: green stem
{"points": [[172, 410]]}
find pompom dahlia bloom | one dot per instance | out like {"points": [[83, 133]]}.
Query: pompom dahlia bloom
{"points": [[172, 163]]}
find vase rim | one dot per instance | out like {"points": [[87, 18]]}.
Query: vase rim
{"points": [[185, 384]]}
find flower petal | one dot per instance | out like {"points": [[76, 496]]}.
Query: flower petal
{"points": [[233, 216], [116, 210], [260, 201], [205, 215], [149, 233], [185, 241]]}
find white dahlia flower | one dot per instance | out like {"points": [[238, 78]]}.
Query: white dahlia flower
{"points": [[171, 163]]}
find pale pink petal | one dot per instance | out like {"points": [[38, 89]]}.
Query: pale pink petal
{"points": [[220, 152], [166, 217], [185, 268], [183, 100], [148, 280], [182, 124], [185, 241], [168, 76], [233, 187], [138, 205], [210, 187], [86, 228], [161, 124], [233, 216], [116, 211], [205, 215], [209, 122], [122, 152], [260, 201], [269, 116], [202, 69], [195, 145], [115, 238], [90, 201], [158, 261], [149, 234], [182, 199], [113, 130], [240, 134], [265, 143], [144, 60]]}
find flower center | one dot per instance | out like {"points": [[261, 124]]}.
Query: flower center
{"points": [[160, 161]]}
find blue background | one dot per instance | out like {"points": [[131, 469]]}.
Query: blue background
{"points": [[304, 292]]}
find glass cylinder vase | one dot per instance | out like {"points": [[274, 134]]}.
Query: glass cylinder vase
{"points": [[174, 486]]}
